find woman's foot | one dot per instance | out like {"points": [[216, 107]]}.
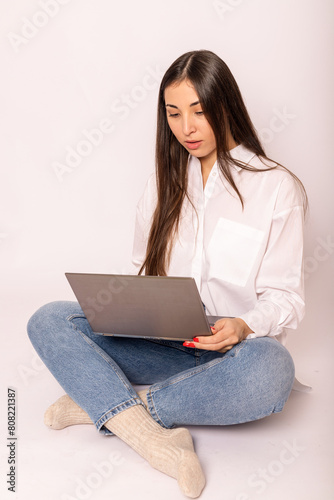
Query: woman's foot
{"points": [[65, 412], [169, 450]]}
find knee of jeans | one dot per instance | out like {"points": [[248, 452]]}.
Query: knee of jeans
{"points": [[272, 368], [42, 322], [283, 371]]}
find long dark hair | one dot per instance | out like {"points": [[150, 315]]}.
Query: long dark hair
{"points": [[225, 110]]}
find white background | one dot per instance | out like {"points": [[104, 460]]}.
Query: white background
{"points": [[69, 70]]}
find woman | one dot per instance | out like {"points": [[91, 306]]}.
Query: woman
{"points": [[220, 211]]}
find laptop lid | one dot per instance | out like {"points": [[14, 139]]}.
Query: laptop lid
{"points": [[141, 306]]}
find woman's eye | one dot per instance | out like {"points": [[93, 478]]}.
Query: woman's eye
{"points": [[200, 113], [173, 115]]}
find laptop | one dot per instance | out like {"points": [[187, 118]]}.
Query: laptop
{"points": [[141, 306]]}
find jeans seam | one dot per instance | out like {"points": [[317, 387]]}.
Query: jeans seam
{"points": [[198, 369], [152, 410], [197, 357], [72, 316]]}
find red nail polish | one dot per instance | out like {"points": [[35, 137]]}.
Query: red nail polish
{"points": [[188, 344], [195, 339], [213, 328]]}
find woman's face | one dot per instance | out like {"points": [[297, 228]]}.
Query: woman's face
{"points": [[188, 123]]}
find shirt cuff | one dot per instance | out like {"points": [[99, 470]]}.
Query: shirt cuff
{"points": [[263, 321]]}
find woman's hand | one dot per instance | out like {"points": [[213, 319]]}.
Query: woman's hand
{"points": [[226, 333]]}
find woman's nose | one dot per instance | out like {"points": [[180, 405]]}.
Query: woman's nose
{"points": [[188, 125]]}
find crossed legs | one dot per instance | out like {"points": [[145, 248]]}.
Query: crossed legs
{"points": [[187, 387]]}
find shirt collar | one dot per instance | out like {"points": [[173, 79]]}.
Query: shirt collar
{"points": [[242, 154]]}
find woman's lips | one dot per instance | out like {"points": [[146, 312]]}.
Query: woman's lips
{"points": [[193, 144]]}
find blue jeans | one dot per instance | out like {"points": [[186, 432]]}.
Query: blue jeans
{"points": [[188, 386]]}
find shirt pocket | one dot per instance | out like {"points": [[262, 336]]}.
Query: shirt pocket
{"points": [[233, 250]]}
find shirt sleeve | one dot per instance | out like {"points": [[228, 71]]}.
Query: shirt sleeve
{"points": [[280, 282]]}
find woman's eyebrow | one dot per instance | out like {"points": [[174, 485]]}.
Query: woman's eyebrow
{"points": [[173, 106]]}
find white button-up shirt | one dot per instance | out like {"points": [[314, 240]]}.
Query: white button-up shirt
{"points": [[247, 263]]}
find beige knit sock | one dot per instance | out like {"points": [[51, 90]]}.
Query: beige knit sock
{"points": [[65, 412], [169, 450]]}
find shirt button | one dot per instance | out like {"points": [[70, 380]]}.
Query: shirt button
{"points": [[214, 174]]}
